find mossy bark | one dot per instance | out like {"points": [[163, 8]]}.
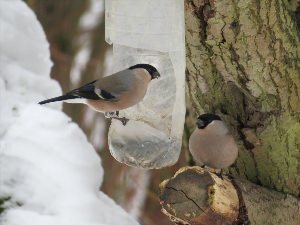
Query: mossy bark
{"points": [[266, 207], [243, 64]]}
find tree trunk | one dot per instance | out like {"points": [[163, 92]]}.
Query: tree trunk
{"points": [[243, 64]]}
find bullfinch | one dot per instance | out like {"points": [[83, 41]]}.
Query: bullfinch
{"points": [[211, 144], [110, 94]]}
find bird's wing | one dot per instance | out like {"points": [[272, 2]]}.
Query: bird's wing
{"points": [[107, 88], [115, 84]]}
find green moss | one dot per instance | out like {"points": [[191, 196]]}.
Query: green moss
{"points": [[268, 102], [276, 159], [246, 166], [2, 202]]}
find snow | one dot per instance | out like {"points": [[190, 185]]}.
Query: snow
{"points": [[149, 31], [87, 23], [49, 173], [139, 180], [91, 18], [98, 133]]}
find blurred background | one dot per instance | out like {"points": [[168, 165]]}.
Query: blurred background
{"points": [[75, 31]]}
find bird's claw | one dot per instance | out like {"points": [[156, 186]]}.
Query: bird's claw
{"points": [[111, 114], [204, 167], [115, 115], [220, 174], [124, 121]]}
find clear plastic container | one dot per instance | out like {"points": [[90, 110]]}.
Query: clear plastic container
{"points": [[149, 31]]}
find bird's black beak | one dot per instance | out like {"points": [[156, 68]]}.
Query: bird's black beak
{"points": [[200, 124], [155, 75]]}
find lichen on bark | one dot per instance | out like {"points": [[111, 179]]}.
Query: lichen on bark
{"points": [[243, 63]]}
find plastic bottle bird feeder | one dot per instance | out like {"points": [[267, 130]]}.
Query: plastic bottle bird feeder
{"points": [[149, 31]]}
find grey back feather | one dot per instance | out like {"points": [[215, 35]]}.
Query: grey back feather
{"points": [[116, 83]]}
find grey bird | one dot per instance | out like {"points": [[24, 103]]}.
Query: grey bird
{"points": [[110, 94], [211, 144]]}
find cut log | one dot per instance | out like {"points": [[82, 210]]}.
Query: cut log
{"points": [[195, 196]]}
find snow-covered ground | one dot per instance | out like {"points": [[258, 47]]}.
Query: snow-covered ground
{"points": [[49, 173]]}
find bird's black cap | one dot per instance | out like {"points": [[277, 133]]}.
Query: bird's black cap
{"points": [[205, 119], [151, 70]]}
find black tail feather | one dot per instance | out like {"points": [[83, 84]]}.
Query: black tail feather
{"points": [[86, 91], [59, 98]]}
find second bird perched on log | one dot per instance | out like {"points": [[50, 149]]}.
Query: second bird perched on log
{"points": [[110, 94], [211, 144]]}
